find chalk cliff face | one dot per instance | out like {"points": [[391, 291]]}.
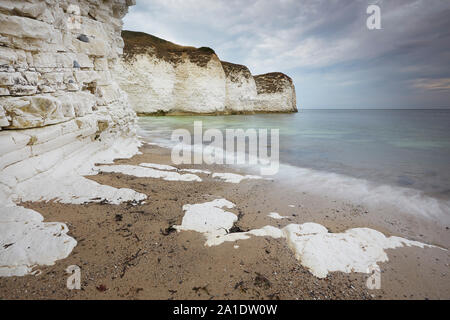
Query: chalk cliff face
{"points": [[276, 93], [59, 109], [240, 88], [161, 77]]}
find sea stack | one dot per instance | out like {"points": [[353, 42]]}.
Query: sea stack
{"points": [[276, 93], [161, 77]]}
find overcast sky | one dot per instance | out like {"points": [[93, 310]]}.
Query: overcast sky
{"points": [[324, 45]]}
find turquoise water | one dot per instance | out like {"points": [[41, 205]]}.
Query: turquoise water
{"points": [[399, 148]]}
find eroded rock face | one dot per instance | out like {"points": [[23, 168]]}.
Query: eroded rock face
{"points": [[48, 76], [161, 77], [60, 109], [241, 88], [276, 93]]}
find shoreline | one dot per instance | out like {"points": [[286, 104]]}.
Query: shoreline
{"points": [[423, 216], [211, 114], [132, 251]]}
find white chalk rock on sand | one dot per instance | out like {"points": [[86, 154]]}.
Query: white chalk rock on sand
{"points": [[355, 250], [60, 113], [276, 216], [143, 172], [171, 168], [26, 241], [322, 252], [158, 166], [208, 217], [195, 171], [234, 177]]}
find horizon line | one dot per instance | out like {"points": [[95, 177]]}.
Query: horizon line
{"points": [[394, 108]]}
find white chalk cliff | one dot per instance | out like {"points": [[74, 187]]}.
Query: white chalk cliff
{"points": [[60, 111], [241, 92], [161, 77], [276, 93]]}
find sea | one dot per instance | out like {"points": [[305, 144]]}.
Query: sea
{"points": [[400, 157]]}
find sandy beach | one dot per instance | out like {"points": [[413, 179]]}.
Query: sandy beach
{"points": [[131, 251], [166, 150]]}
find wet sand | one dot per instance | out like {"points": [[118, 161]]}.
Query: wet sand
{"points": [[130, 252]]}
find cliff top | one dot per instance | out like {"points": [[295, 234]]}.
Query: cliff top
{"points": [[272, 82], [137, 43], [233, 70]]}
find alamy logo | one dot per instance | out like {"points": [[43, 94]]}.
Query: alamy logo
{"points": [[374, 20], [237, 146], [74, 280], [374, 281], [74, 18]]}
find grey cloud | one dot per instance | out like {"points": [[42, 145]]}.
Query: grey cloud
{"points": [[321, 40]]}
